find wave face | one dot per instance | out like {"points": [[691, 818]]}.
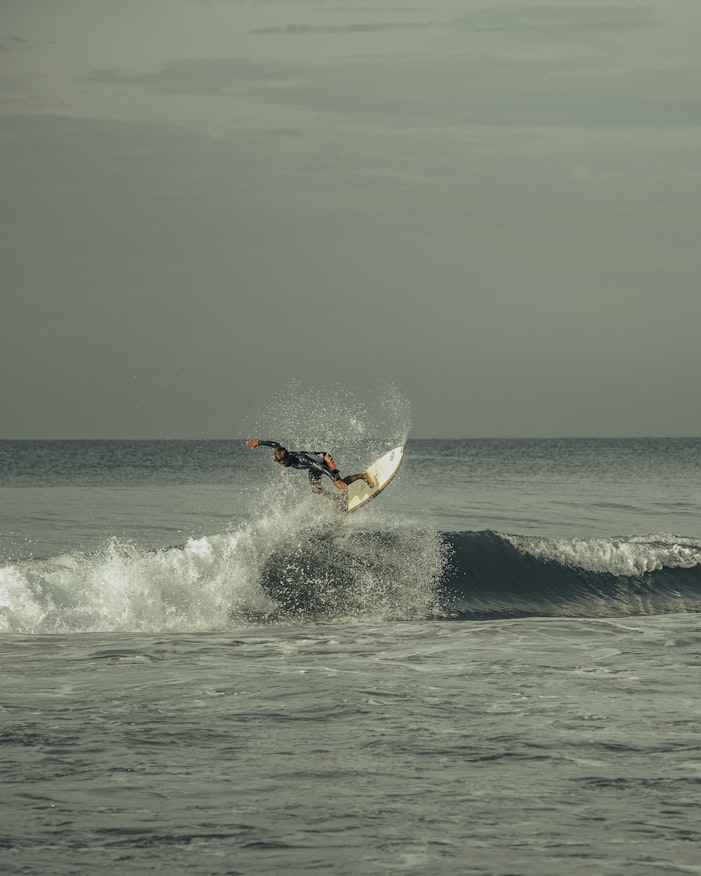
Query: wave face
{"points": [[288, 567], [492, 575]]}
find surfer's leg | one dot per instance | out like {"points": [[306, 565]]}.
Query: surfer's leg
{"points": [[330, 464], [361, 476]]}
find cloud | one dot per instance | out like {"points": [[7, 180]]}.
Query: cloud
{"points": [[544, 20], [213, 76], [369, 27], [453, 92], [11, 43]]}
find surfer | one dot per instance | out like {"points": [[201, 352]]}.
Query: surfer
{"points": [[317, 463]]}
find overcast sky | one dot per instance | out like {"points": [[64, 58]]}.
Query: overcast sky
{"points": [[496, 207]]}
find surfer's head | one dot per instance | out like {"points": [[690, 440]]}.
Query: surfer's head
{"points": [[281, 456]]}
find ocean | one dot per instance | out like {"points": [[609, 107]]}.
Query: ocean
{"points": [[493, 668]]}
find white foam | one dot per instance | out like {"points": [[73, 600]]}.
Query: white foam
{"points": [[631, 555], [214, 582]]}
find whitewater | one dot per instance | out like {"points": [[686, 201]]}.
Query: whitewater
{"points": [[491, 669]]}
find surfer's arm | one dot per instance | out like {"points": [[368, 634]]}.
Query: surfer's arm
{"points": [[256, 442]]}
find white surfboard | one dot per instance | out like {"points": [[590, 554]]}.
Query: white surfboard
{"points": [[382, 471]]}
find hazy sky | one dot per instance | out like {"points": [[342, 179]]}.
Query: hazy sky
{"points": [[497, 207]]}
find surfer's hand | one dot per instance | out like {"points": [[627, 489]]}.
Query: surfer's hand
{"points": [[342, 485], [253, 442]]}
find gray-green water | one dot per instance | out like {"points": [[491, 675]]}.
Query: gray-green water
{"points": [[492, 671]]}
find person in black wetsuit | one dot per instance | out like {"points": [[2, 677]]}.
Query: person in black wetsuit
{"points": [[317, 463]]}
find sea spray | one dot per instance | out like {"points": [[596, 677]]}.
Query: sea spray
{"points": [[377, 569], [292, 561], [354, 425]]}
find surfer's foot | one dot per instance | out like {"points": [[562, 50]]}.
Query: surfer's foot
{"points": [[368, 480], [342, 485]]}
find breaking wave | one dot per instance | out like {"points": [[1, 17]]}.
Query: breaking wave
{"points": [[494, 575], [287, 568], [277, 569]]}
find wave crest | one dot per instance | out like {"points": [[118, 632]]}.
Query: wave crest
{"points": [[496, 575]]}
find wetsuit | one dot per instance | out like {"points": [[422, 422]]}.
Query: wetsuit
{"points": [[317, 462]]}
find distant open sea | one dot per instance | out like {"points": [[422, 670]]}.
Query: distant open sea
{"points": [[493, 668]]}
